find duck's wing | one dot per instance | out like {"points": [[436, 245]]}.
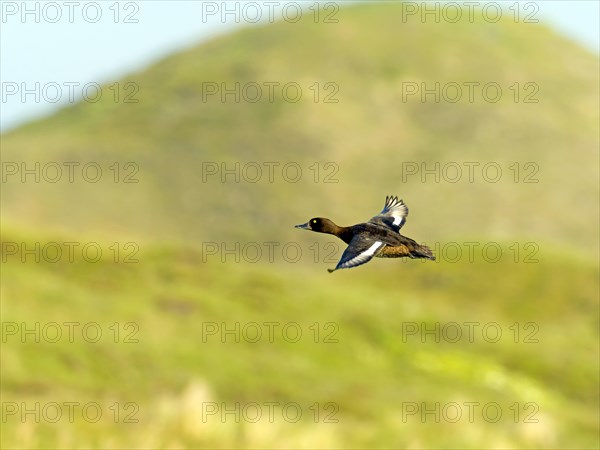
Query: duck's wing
{"points": [[393, 215], [360, 250]]}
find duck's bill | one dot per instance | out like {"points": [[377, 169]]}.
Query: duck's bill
{"points": [[304, 226]]}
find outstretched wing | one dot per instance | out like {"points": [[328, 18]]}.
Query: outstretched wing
{"points": [[393, 215], [360, 250]]}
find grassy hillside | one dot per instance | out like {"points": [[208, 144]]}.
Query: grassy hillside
{"points": [[179, 269], [373, 367], [375, 127]]}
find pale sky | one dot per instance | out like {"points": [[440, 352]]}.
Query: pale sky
{"points": [[70, 43]]}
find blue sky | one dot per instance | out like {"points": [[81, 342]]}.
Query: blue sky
{"points": [[64, 45]]}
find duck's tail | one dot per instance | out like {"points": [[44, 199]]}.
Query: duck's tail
{"points": [[421, 251]]}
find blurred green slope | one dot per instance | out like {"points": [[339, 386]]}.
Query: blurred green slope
{"points": [[371, 56], [375, 366]]}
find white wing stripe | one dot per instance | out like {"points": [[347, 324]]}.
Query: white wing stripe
{"points": [[364, 256], [371, 250]]}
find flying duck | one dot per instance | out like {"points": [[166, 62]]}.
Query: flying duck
{"points": [[380, 236]]}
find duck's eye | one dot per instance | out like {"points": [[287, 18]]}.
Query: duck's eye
{"points": [[314, 221]]}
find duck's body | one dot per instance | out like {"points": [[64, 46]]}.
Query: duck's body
{"points": [[380, 236]]}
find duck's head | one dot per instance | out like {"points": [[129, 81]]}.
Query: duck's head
{"points": [[320, 225]]}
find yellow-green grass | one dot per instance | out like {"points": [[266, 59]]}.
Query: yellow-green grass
{"points": [[377, 368]]}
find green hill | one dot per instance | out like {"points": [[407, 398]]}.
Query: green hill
{"points": [[370, 134], [372, 358], [367, 355]]}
